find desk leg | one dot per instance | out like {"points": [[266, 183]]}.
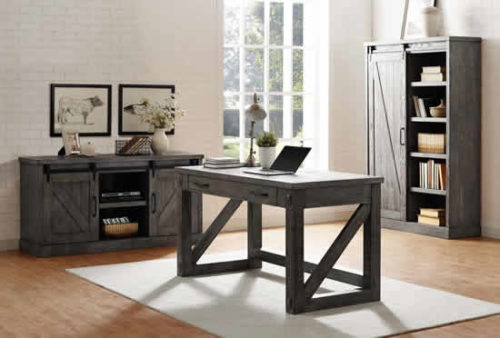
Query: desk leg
{"points": [[184, 237], [295, 298], [254, 234], [371, 246]]}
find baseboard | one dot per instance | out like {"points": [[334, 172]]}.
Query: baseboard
{"points": [[490, 232], [9, 244]]}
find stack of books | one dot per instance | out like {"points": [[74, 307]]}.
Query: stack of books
{"points": [[431, 143], [433, 74], [222, 162], [432, 216], [432, 175]]}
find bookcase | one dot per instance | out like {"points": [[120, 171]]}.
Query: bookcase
{"points": [[393, 79]]}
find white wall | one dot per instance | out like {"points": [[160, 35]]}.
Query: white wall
{"points": [[469, 18], [350, 28], [149, 41]]}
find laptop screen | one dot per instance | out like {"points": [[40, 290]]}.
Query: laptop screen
{"points": [[290, 158]]}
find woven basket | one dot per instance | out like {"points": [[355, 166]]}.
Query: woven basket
{"points": [[121, 230]]}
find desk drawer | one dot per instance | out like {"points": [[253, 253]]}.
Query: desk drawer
{"points": [[249, 192]]}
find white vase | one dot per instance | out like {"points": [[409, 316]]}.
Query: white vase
{"points": [[159, 142], [431, 21], [266, 156]]}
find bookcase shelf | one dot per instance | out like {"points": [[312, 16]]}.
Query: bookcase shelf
{"points": [[429, 84], [393, 132], [429, 119], [428, 191], [429, 155]]}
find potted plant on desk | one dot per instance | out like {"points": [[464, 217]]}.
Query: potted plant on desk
{"points": [[267, 149]]}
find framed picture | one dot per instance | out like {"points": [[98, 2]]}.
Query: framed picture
{"points": [[411, 27], [71, 142], [81, 107], [130, 98]]}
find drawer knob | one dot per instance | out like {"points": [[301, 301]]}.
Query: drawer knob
{"points": [[259, 194]]}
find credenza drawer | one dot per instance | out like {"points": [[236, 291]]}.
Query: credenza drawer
{"points": [[253, 193]]}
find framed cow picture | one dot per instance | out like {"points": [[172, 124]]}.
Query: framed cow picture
{"points": [[131, 98], [84, 108]]}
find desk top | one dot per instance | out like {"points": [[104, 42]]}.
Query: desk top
{"points": [[302, 179]]}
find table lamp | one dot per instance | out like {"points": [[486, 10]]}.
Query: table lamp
{"points": [[256, 113]]}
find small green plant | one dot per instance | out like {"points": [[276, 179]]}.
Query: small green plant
{"points": [[266, 139]]}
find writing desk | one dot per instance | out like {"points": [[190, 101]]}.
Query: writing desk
{"points": [[306, 189]]}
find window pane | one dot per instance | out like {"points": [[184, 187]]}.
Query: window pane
{"points": [[276, 24], [254, 65], [231, 116], [276, 115], [298, 70], [298, 24], [276, 70], [259, 125], [298, 116], [231, 149], [254, 23], [231, 69], [231, 22]]}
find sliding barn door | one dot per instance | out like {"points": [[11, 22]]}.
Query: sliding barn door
{"points": [[387, 129]]}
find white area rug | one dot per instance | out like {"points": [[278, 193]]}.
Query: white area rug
{"points": [[252, 303]]}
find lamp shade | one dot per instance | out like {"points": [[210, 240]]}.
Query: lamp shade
{"points": [[255, 112]]}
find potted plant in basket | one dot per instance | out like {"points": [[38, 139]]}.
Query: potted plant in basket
{"points": [[267, 149], [161, 117]]}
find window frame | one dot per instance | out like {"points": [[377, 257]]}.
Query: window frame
{"points": [[287, 92]]}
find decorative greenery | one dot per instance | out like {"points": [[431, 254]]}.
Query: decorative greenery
{"points": [[161, 116], [266, 139]]}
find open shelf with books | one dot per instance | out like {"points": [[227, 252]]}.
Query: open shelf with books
{"points": [[432, 175]]}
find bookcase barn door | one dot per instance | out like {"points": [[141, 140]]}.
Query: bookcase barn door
{"points": [[387, 129], [71, 208]]}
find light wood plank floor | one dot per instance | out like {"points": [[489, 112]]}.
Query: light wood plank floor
{"points": [[38, 298]]}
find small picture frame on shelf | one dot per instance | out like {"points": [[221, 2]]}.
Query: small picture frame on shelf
{"points": [[85, 108], [131, 99], [71, 142]]}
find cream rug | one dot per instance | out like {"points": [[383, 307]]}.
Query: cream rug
{"points": [[252, 303]]}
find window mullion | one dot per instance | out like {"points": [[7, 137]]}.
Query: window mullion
{"points": [[267, 17], [242, 78], [287, 70]]}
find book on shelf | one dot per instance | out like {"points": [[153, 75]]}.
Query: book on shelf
{"points": [[438, 221], [432, 77], [417, 107], [433, 69], [431, 175], [433, 74], [431, 143], [432, 212]]}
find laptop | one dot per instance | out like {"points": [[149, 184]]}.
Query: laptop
{"points": [[287, 162]]}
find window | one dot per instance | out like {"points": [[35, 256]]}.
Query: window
{"points": [[266, 51]]}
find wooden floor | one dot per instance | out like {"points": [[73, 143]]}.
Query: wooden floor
{"points": [[38, 298]]}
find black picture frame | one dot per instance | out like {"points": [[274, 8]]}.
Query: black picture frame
{"points": [[53, 88], [120, 106]]}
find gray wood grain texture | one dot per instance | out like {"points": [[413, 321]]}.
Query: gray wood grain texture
{"points": [[387, 124], [462, 90], [292, 193], [301, 180], [60, 208], [337, 248], [254, 234], [219, 222]]}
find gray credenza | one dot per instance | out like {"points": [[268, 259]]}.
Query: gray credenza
{"points": [[62, 208], [393, 79]]}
